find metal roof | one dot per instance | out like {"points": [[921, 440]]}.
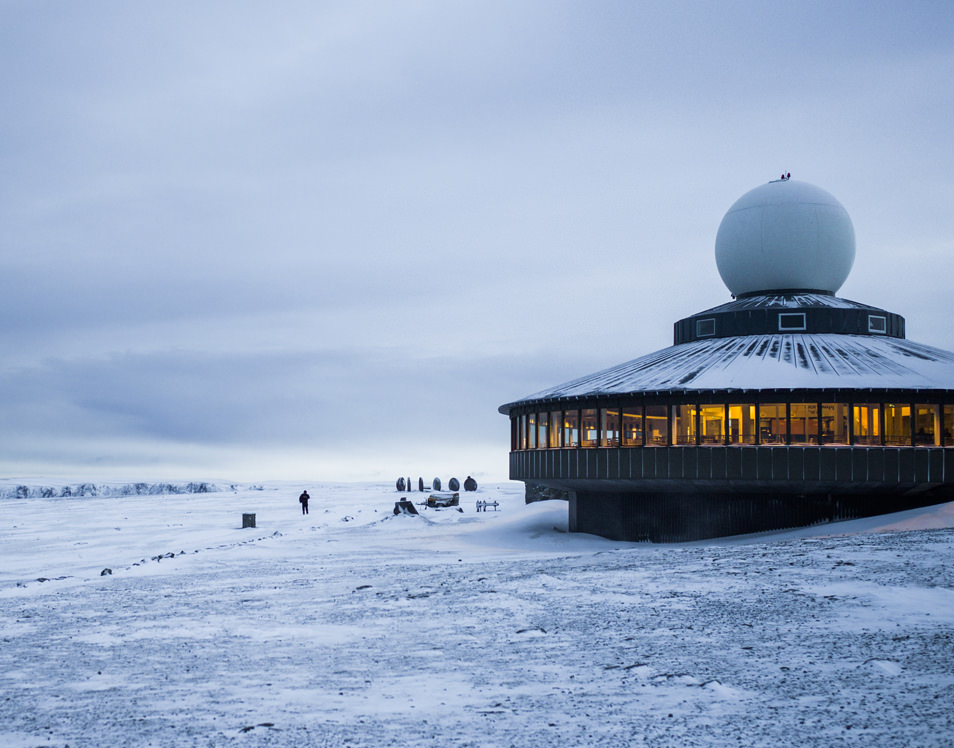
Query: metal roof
{"points": [[783, 361], [791, 300]]}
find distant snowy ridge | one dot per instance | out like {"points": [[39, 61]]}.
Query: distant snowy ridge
{"points": [[93, 489]]}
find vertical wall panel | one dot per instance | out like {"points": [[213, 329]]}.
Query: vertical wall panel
{"points": [[690, 462], [733, 463], [921, 457], [859, 465], [779, 463], [704, 464], [842, 464], [811, 466], [827, 461], [892, 466], [796, 463], [876, 464], [718, 462], [763, 463], [907, 466], [936, 466], [749, 461]]}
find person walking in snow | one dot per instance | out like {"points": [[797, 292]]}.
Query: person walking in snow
{"points": [[303, 500]]}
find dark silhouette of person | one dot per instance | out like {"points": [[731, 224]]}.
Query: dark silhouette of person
{"points": [[303, 500]]}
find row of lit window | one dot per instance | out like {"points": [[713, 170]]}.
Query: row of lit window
{"points": [[868, 424]]}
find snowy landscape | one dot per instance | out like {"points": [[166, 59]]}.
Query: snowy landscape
{"points": [[131, 618]]}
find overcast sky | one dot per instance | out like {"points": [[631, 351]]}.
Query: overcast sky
{"points": [[323, 240]]}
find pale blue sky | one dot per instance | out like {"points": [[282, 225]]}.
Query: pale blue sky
{"points": [[327, 240]]}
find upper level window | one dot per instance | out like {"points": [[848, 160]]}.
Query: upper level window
{"points": [[705, 328], [791, 321], [877, 324]]}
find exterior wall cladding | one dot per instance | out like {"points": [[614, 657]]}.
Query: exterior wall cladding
{"points": [[675, 494]]}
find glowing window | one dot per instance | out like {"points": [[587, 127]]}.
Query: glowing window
{"points": [[684, 424], [948, 414], [556, 418], [742, 424], [590, 427], [657, 426], [897, 425], [532, 430], [609, 427], [543, 421], [834, 423], [804, 418], [866, 422], [712, 424], [571, 428], [633, 427], [927, 425], [773, 423]]}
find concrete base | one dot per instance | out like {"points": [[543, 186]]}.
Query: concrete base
{"points": [[681, 517]]}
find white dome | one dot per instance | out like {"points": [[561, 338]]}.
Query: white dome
{"points": [[785, 235]]}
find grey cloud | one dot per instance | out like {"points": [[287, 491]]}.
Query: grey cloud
{"points": [[219, 220]]}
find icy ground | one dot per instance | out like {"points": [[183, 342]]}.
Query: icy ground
{"points": [[353, 627]]}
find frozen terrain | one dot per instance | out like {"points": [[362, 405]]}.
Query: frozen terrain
{"points": [[355, 627]]}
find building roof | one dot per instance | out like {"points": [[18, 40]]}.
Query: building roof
{"points": [[789, 300], [761, 362], [783, 249]]}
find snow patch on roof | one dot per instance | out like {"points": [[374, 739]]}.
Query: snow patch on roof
{"points": [[789, 361]]}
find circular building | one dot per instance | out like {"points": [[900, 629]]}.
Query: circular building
{"points": [[787, 406]]}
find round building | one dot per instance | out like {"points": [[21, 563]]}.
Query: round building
{"points": [[787, 406]]}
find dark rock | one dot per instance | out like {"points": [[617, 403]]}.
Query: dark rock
{"points": [[537, 492], [404, 507]]}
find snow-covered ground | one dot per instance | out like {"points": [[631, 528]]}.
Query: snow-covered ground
{"points": [[355, 627]]}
